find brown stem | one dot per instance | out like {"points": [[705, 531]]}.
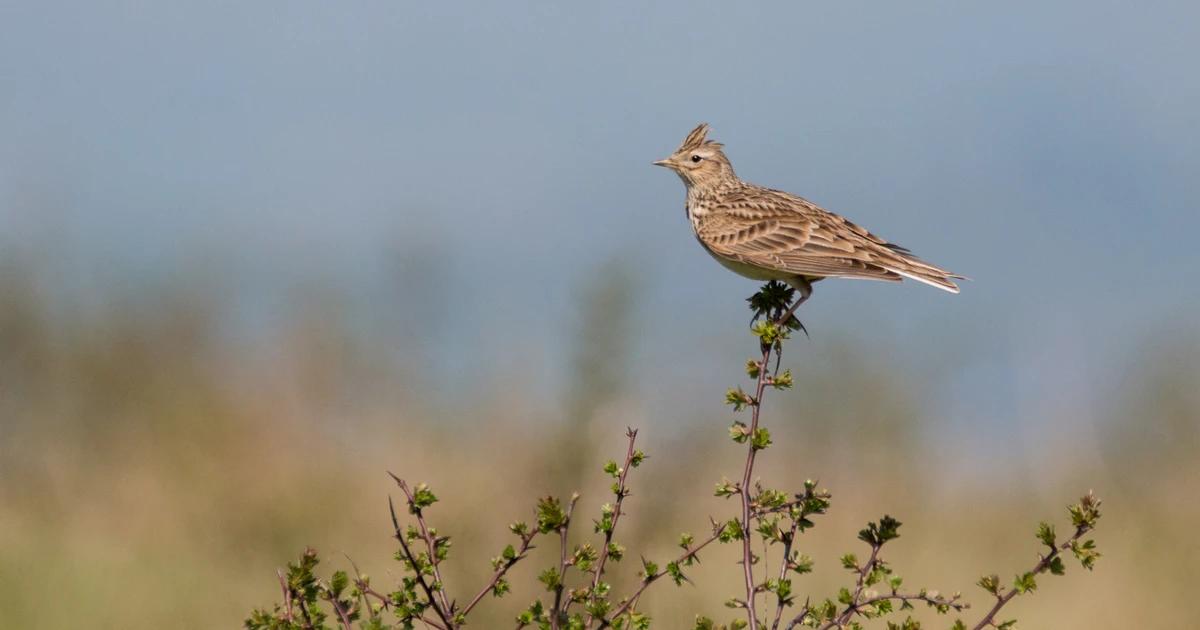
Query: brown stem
{"points": [[562, 567], [1040, 567], [526, 539], [287, 598], [369, 592], [430, 544], [864, 572], [788, 539], [308, 624], [650, 579], [799, 618], [747, 499], [341, 612], [861, 583], [683, 558], [841, 621], [622, 492], [412, 560]]}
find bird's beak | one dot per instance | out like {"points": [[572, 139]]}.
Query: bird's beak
{"points": [[666, 163]]}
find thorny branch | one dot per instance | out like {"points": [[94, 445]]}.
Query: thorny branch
{"points": [[1084, 516], [431, 545], [610, 529], [649, 579], [779, 315], [747, 474], [287, 597], [788, 538], [858, 603], [559, 608], [689, 553], [526, 545], [343, 616], [412, 560], [761, 510]]}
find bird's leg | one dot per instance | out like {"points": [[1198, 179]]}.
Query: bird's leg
{"points": [[805, 288]]}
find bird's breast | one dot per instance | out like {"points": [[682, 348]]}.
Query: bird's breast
{"points": [[696, 213]]}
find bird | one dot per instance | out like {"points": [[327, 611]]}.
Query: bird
{"points": [[767, 234]]}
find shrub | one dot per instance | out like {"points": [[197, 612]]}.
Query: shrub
{"points": [[577, 597]]}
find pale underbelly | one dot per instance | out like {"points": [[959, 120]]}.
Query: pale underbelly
{"points": [[749, 271]]}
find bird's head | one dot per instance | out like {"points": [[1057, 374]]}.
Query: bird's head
{"points": [[699, 161]]}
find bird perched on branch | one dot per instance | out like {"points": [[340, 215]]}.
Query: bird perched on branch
{"points": [[767, 234]]}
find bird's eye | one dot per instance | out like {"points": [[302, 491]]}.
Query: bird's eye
{"points": [[696, 158]]}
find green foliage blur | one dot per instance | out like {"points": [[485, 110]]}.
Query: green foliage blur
{"points": [[156, 467]]}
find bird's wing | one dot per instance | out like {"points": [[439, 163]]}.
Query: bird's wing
{"points": [[782, 232]]}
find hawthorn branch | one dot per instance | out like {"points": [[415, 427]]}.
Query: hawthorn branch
{"points": [[863, 572], [526, 545], [647, 580], [788, 539], [932, 600], [611, 528], [369, 592], [781, 318], [1042, 566], [688, 554], [308, 624], [896, 596], [417, 571], [431, 544], [747, 475], [855, 605], [773, 306], [559, 606], [341, 612], [287, 597]]}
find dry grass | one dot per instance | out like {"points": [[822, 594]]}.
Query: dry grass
{"points": [[153, 474]]}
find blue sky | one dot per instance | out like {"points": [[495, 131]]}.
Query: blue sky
{"points": [[1048, 150]]}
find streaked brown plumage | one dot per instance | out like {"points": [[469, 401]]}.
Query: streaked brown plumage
{"points": [[768, 234]]}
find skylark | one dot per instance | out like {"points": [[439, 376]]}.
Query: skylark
{"points": [[767, 234]]}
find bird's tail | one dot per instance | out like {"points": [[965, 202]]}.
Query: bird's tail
{"points": [[916, 269]]}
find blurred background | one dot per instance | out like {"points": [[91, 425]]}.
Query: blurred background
{"points": [[253, 255]]}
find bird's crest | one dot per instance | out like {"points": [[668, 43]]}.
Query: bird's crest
{"points": [[696, 139]]}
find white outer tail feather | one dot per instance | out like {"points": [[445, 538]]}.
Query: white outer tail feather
{"points": [[950, 289]]}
